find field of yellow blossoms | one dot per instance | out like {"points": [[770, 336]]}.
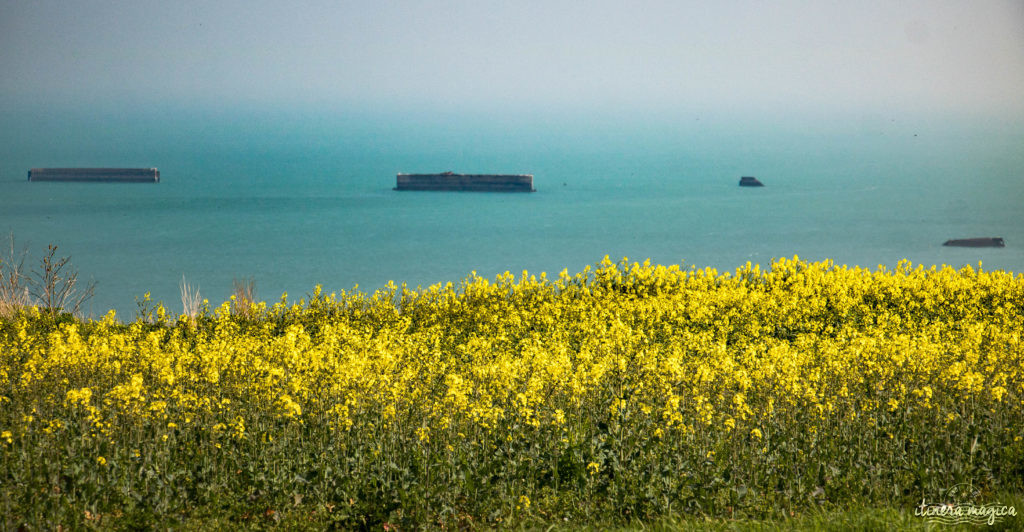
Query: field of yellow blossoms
{"points": [[625, 393]]}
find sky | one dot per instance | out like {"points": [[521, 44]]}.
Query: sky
{"points": [[929, 55]]}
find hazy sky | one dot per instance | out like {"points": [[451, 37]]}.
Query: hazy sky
{"points": [[932, 54]]}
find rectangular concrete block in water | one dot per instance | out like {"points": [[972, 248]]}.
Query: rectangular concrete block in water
{"points": [[466, 182], [96, 175]]}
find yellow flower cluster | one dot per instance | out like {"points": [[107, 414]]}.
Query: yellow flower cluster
{"points": [[674, 357]]}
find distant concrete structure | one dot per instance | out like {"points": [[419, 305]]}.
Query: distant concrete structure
{"points": [[750, 182], [96, 175], [985, 242], [450, 181]]}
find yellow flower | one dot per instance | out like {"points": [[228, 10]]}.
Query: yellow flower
{"points": [[101, 461], [593, 468], [756, 433]]}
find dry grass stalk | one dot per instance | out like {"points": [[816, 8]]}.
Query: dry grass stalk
{"points": [[14, 294], [244, 296], [191, 301]]}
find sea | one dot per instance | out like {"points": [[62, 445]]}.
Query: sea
{"points": [[292, 198]]}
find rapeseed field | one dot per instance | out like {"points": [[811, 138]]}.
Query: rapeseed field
{"points": [[626, 393]]}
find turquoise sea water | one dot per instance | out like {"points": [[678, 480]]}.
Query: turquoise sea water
{"points": [[296, 199]]}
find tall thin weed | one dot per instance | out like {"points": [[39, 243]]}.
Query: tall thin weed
{"points": [[244, 296], [55, 285]]}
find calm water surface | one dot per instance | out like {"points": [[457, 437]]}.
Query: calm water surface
{"points": [[293, 200]]}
